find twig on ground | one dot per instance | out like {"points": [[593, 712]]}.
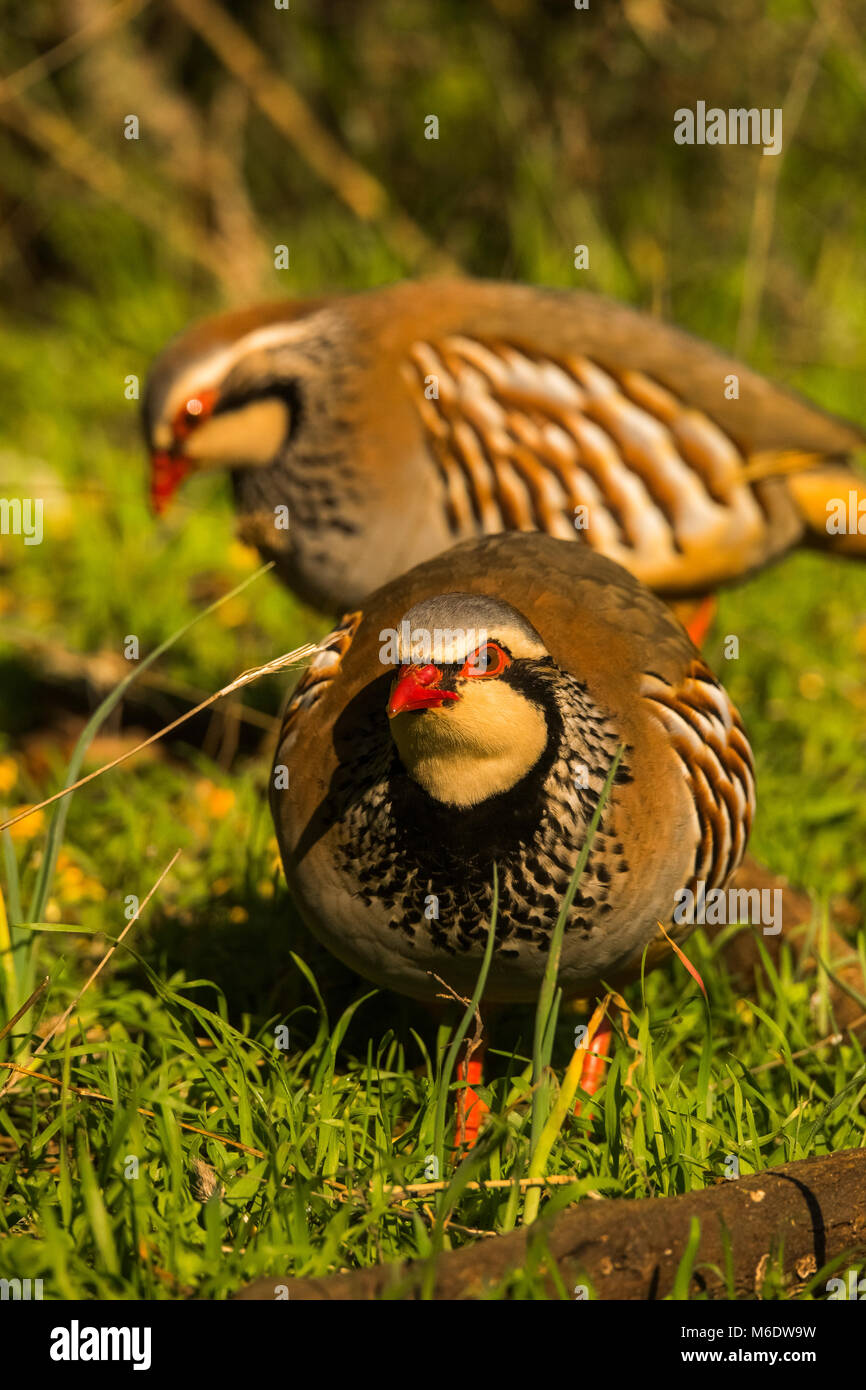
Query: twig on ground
{"points": [[803, 1214], [280, 663], [25, 1007], [103, 669], [139, 1109]]}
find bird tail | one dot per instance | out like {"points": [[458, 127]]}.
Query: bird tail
{"points": [[831, 498], [829, 495]]}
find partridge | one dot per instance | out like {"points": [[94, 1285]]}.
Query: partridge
{"points": [[367, 432], [468, 717]]}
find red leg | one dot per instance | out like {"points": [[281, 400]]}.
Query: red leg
{"points": [[701, 620], [592, 1074], [471, 1109]]}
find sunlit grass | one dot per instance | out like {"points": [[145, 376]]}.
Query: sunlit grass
{"points": [[333, 1120], [303, 1140]]}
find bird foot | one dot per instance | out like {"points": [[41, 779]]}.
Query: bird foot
{"points": [[596, 1046], [471, 1109], [700, 620]]}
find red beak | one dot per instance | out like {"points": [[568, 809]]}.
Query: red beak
{"points": [[167, 473], [417, 688]]}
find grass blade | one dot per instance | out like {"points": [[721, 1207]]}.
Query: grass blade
{"points": [[542, 1041], [57, 825]]}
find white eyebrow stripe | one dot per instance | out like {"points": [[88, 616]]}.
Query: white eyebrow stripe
{"points": [[447, 646], [207, 372]]}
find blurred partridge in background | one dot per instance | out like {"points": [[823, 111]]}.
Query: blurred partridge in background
{"points": [[394, 423]]}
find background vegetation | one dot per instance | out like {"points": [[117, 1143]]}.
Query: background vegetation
{"points": [[555, 127]]}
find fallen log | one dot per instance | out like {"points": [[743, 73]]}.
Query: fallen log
{"points": [[802, 1214], [632, 1249]]}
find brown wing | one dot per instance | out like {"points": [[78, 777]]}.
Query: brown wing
{"points": [[692, 469], [319, 675], [707, 736], [527, 441]]}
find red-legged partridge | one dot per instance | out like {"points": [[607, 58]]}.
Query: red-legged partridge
{"points": [[367, 432], [469, 716]]}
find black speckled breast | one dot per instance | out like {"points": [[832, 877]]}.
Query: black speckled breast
{"points": [[430, 865]]}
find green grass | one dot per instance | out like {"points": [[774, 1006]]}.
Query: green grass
{"points": [[184, 1027], [182, 1024], [552, 133], [101, 1201]]}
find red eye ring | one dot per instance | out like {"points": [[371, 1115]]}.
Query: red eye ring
{"points": [[194, 410], [471, 668]]}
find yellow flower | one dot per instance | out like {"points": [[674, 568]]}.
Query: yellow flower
{"points": [[811, 685], [743, 1012], [74, 886], [238, 914], [8, 775], [242, 557], [27, 828], [220, 802], [217, 801], [233, 612]]}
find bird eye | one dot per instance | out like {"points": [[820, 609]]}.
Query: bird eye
{"points": [[195, 409], [489, 660]]}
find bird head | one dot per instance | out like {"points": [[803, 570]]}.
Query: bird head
{"points": [[226, 394], [469, 707]]}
